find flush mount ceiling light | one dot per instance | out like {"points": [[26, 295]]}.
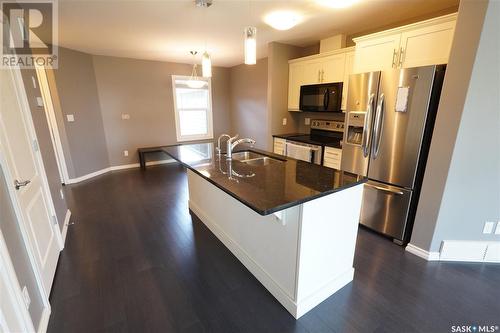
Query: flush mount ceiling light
{"points": [[195, 81], [283, 19], [337, 3]]}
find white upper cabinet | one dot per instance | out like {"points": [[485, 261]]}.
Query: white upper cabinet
{"points": [[427, 45], [377, 53], [333, 68], [348, 70], [419, 44], [322, 68]]}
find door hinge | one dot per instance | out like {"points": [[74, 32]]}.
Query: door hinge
{"points": [[54, 220], [35, 145]]}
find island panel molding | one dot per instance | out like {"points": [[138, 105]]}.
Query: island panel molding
{"points": [[302, 258]]}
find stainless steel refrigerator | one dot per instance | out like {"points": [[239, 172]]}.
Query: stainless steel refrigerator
{"points": [[389, 121]]}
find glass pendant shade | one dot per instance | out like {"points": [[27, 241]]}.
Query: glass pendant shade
{"points": [[206, 65], [250, 45]]}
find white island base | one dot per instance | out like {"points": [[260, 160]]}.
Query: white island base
{"points": [[302, 254]]}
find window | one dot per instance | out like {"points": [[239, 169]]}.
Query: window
{"points": [[193, 109]]}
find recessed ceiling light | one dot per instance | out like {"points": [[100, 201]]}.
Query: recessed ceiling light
{"points": [[282, 19], [337, 3]]}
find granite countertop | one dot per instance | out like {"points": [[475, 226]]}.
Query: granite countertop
{"points": [[264, 188]]}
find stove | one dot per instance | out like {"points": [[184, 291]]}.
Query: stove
{"points": [[311, 147], [323, 133]]}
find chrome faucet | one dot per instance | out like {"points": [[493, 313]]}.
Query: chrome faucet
{"points": [[218, 149], [231, 144]]}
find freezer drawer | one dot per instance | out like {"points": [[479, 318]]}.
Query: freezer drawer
{"points": [[385, 208]]}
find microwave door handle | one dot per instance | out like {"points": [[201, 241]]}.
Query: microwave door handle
{"points": [[366, 127], [326, 99]]}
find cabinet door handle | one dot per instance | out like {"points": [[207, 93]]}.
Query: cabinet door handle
{"points": [[322, 76], [394, 59], [401, 57], [319, 75]]}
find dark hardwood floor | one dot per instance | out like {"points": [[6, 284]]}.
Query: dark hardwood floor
{"points": [[137, 261]]}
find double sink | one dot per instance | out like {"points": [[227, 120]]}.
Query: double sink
{"points": [[255, 159]]}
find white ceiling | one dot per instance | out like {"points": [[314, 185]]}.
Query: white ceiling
{"points": [[167, 30]]}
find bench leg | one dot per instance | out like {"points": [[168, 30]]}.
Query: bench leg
{"points": [[142, 161]]}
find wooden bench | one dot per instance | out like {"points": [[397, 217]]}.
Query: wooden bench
{"points": [[144, 151]]}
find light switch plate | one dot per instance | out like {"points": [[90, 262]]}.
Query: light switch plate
{"points": [[488, 227], [39, 101], [497, 230], [125, 153], [307, 121], [70, 118], [284, 121], [26, 296], [125, 116]]}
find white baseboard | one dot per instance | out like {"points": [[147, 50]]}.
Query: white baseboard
{"points": [[115, 168], [44, 320], [461, 251], [65, 226], [429, 256]]}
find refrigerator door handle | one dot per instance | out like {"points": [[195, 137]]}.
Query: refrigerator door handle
{"points": [[384, 189], [366, 127], [377, 131]]}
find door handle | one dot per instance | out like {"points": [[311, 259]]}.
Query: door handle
{"points": [[18, 184], [319, 75], [385, 189], [394, 59], [377, 131], [326, 99], [366, 127], [401, 57]]}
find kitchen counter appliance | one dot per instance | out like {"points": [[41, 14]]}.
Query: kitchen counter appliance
{"points": [[389, 122], [326, 97]]}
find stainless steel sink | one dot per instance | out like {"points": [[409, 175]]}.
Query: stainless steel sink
{"points": [[245, 155], [254, 159], [261, 161]]}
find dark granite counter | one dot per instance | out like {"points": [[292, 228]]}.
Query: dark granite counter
{"points": [[266, 188]]}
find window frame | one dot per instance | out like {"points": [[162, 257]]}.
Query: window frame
{"points": [[210, 123]]}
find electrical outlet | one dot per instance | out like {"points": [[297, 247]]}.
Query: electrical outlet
{"points": [[39, 102], [125, 116], [26, 297], [70, 118], [497, 230], [488, 227], [307, 121], [125, 153], [284, 121], [61, 193]]}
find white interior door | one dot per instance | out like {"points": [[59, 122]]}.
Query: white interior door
{"points": [[23, 164], [52, 122]]}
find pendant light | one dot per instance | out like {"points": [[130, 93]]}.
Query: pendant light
{"points": [[195, 81], [206, 61], [206, 65], [250, 45]]}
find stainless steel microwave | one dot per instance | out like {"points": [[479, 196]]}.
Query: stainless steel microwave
{"points": [[326, 97]]}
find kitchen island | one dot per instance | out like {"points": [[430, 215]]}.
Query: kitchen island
{"points": [[292, 224]]}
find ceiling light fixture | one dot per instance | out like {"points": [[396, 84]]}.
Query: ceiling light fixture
{"points": [[195, 81], [337, 3], [206, 61], [282, 19], [250, 45], [206, 65]]}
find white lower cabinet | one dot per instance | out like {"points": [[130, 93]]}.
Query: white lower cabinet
{"points": [[279, 146], [332, 157]]}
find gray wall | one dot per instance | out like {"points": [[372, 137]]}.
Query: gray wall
{"points": [[73, 86], [17, 251], [249, 102], [462, 180], [277, 93], [143, 89], [45, 144]]}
